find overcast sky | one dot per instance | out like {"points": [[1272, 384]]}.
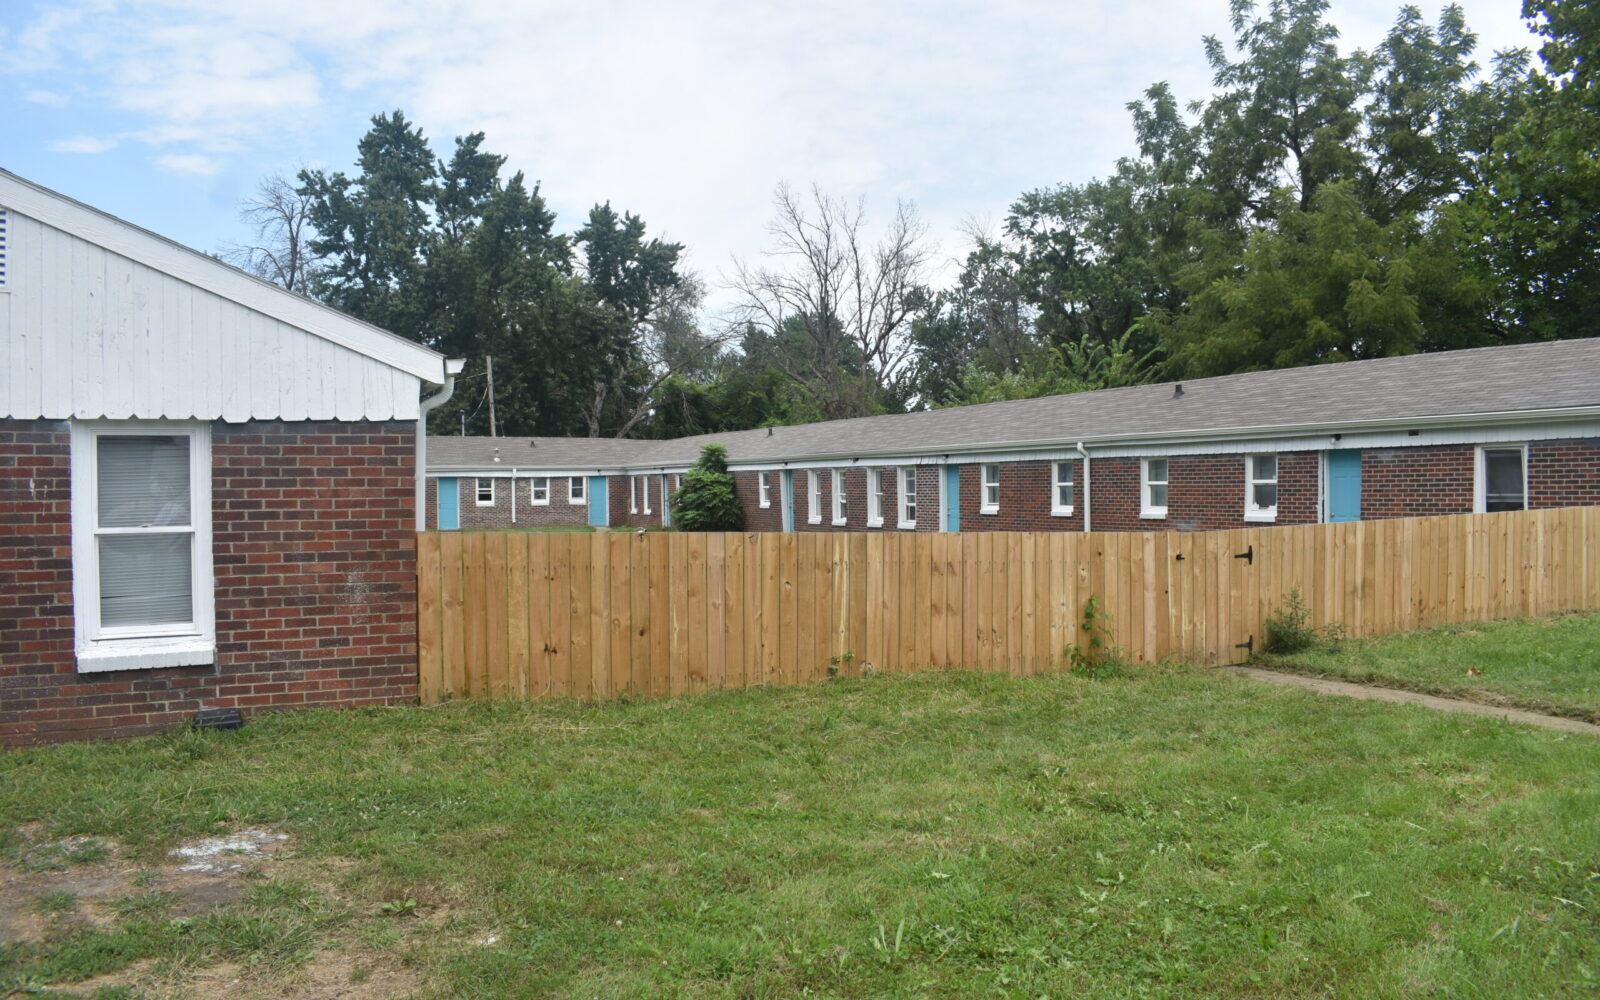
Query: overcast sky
{"points": [[168, 113]]}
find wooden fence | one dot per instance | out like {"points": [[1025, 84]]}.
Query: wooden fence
{"points": [[593, 615]]}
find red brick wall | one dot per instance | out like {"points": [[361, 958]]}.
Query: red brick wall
{"points": [[1414, 482], [557, 513], [314, 556], [748, 490], [621, 515], [1564, 473]]}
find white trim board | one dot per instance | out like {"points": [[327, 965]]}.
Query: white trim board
{"points": [[195, 268]]}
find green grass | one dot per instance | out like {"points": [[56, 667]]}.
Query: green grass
{"points": [[1546, 664], [1172, 833]]}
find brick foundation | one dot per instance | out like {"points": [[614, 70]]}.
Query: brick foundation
{"points": [[314, 559]]}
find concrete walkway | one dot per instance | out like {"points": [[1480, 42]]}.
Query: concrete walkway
{"points": [[1323, 685]]}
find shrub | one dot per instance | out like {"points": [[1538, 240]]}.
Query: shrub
{"points": [[1289, 628], [1095, 658], [707, 501]]}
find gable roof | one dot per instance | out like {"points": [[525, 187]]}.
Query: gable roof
{"points": [[1471, 386], [218, 277]]}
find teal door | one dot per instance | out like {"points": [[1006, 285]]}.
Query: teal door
{"points": [[599, 502], [449, 504], [952, 498], [787, 500], [1344, 485]]}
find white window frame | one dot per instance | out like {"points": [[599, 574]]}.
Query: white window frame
{"points": [[140, 647], [477, 488], [1148, 510], [577, 490], [874, 498], [1251, 511], [633, 494], [1480, 474], [764, 489], [841, 512], [905, 500], [813, 497], [985, 505], [641, 484], [1057, 508], [534, 489]]}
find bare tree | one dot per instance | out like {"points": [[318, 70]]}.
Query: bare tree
{"points": [[853, 299], [669, 342], [280, 252]]}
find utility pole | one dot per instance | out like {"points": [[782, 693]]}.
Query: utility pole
{"points": [[489, 373]]}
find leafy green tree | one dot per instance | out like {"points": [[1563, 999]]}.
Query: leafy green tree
{"points": [[1538, 211], [707, 500]]}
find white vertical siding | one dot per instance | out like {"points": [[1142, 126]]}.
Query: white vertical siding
{"points": [[87, 333]]}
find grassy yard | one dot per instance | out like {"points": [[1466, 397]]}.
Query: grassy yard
{"points": [[1175, 833], [1546, 664]]}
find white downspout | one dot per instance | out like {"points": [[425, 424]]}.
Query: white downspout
{"points": [[513, 496], [1085, 453], [452, 368]]}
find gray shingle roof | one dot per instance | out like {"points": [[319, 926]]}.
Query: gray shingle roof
{"points": [[1543, 376]]}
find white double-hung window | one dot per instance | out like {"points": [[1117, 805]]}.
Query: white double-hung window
{"points": [[764, 488], [486, 493], [576, 490], [141, 545], [539, 491], [908, 497], [989, 500], [1061, 489], [874, 498], [813, 497], [839, 500], [1502, 478], [1261, 487], [1153, 488]]}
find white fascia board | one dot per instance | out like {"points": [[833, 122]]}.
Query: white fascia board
{"points": [[215, 276]]}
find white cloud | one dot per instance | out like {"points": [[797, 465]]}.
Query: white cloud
{"points": [[84, 144], [48, 98], [190, 163], [687, 113]]}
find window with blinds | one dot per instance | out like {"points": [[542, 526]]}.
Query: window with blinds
{"points": [[141, 545], [144, 531]]}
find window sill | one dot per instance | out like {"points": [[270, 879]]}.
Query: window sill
{"points": [[765, 506], [577, 503], [813, 520], [907, 525], [1261, 516], [1154, 514], [874, 522], [1061, 511], [841, 521], [538, 503], [146, 654], [988, 510]]}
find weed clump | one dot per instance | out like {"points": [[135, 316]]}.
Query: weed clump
{"points": [[1289, 628]]}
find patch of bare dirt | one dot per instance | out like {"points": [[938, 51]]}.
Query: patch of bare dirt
{"points": [[334, 974], [54, 885]]}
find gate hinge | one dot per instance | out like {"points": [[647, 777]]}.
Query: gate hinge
{"points": [[1249, 645], [1248, 555]]}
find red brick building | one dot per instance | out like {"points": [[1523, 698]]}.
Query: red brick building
{"points": [[1488, 429], [209, 486]]}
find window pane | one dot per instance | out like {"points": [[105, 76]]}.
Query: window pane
{"points": [[145, 579], [1158, 495], [1157, 470], [1266, 495], [1064, 495], [575, 488], [1502, 476], [1264, 467], [144, 481], [911, 484]]}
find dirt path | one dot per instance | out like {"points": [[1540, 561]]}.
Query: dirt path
{"points": [[1323, 685]]}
